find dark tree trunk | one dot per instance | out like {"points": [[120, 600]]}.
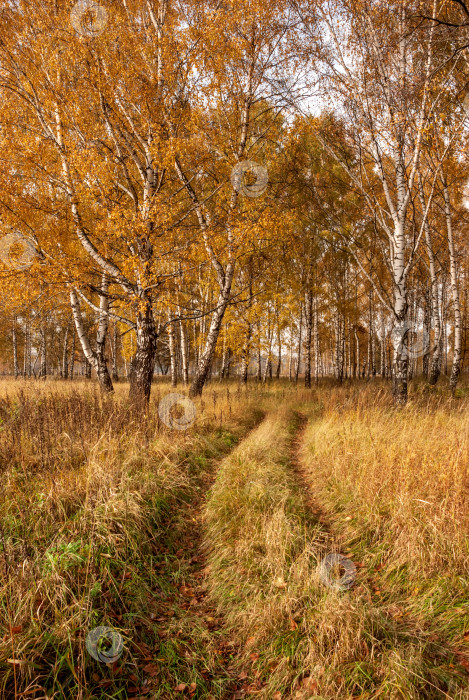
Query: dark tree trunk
{"points": [[87, 368], [143, 362], [401, 356], [400, 378], [102, 372], [339, 348]]}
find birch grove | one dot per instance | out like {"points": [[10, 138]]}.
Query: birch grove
{"points": [[234, 190]]}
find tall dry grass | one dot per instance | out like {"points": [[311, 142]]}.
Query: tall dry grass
{"points": [[95, 501], [399, 632], [402, 475], [395, 486], [90, 489]]}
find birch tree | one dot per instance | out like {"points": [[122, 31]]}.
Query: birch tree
{"points": [[381, 71]]}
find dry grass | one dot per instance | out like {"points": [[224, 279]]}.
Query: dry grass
{"points": [[399, 632], [97, 528], [90, 493], [404, 475], [395, 484], [263, 553]]}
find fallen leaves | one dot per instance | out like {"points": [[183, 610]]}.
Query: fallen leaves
{"points": [[309, 686], [151, 669], [463, 661], [187, 591], [144, 650], [182, 687]]}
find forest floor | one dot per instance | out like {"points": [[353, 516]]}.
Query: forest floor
{"points": [[205, 549]]}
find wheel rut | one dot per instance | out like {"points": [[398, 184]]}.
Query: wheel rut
{"points": [[195, 659], [301, 476]]}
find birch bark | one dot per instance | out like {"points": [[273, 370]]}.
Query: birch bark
{"points": [[453, 268]]}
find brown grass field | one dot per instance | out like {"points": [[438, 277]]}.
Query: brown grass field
{"points": [[202, 548]]}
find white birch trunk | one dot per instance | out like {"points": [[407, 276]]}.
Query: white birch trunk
{"points": [[456, 367]]}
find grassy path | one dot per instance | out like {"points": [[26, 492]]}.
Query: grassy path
{"points": [[204, 553], [195, 655], [269, 527], [259, 538], [112, 540]]}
